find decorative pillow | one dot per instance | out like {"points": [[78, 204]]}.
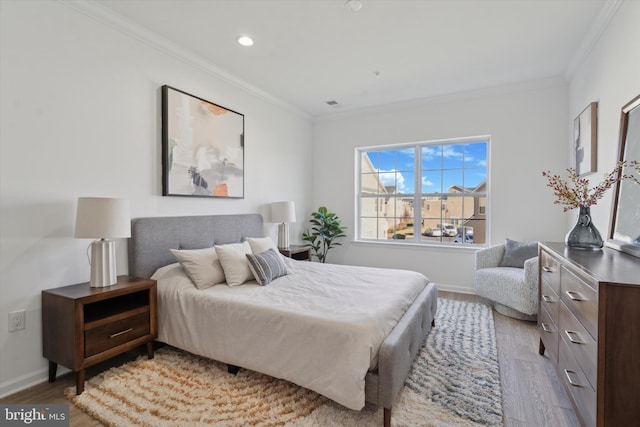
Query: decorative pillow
{"points": [[267, 266], [516, 253], [201, 265], [235, 263], [260, 244]]}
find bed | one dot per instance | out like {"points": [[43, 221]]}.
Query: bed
{"points": [[386, 368]]}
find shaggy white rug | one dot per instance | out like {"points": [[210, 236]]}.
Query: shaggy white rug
{"points": [[454, 381]]}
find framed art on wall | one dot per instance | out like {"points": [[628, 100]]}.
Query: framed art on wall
{"points": [[585, 134], [202, 147]]}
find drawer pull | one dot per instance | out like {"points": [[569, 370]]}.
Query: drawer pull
{"points": [[574, 296], [568, 375], [547, 269], [570, 335], [547, 298], [546, 328], [117, 334]]}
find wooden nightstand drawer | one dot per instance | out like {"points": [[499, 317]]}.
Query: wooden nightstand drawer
{"points": [[111, 335], [297, 252], [82, 326]]}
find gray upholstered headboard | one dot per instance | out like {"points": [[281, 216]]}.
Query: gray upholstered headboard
{"points": [[151, 238]]}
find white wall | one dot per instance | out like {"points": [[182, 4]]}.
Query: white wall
{"points": [[529, 131], [610, 75], [80, 116]]}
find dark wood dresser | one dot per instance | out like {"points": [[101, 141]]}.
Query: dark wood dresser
{"points": [[589, 321]]}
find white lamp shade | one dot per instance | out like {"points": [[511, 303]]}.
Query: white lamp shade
{"points": [[102, 217], [283, 212]]}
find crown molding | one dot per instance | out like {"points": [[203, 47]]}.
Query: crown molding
{"points": [[133, 30], [591, 38], [505, 89]]}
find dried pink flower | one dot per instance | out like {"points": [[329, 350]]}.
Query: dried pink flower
{"points": [[577, 194]]}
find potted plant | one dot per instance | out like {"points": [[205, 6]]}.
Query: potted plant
{"points": [[575, 193], [326, 229]]}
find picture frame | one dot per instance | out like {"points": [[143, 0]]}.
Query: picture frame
{"points": [[202, 147], [585, 139]]}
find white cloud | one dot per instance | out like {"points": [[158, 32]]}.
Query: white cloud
{"points": [[426, 182], [392, 178]]}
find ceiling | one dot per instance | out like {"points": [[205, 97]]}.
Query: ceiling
{"points": [[307, 52]]}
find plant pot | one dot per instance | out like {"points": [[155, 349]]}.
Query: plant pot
{"points": [[584, 235]]}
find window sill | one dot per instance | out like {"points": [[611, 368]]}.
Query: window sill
{"points": [[427, 246]]}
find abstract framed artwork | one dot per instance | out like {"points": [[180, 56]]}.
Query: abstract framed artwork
{"points": [[585, 134], [202, 147]]}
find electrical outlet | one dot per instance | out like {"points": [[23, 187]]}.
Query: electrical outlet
{"points": [[17, 320]]}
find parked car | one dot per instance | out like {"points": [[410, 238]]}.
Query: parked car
{"points": [[432, 232], [448, 230], [468, 238]]}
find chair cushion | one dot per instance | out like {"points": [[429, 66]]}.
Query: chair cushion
{"points": [[506, 286], [516, 253]]}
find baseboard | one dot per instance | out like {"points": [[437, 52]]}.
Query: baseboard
{"points": [[25, 381], [456, 288]]}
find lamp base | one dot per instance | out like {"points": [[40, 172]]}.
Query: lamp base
{"points": [[103, 263], [283, 236]]}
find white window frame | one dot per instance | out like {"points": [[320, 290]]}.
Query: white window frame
{"points": [[417, 196]]}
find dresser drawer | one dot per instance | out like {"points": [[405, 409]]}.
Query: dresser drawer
{"points": [[113, 334], [550, 271], [549, 300], [584, 396], [582, 346], [548, 334], [581, 299]]}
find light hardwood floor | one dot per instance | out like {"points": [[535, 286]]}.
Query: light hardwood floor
{"points": [[531, 393]]}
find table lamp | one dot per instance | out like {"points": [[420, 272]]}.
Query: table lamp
{"points": [[283, 213], [103, 219]]}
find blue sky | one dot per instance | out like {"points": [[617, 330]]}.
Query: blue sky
{"points": [[442, 166]]}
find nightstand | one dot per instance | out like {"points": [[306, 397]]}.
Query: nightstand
{"points": [[298, 252], [82, 326]]}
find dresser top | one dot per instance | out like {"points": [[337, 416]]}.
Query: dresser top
{"points": [[605, 265]]}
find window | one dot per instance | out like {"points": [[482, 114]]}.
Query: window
{"points": [[429, 192]]}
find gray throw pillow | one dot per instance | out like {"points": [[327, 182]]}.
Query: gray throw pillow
{"points": [[266, 266], [516, 253]]}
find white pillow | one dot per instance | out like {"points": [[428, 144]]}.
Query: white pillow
{"points": [[235, 264], [261, 244], [201, 265]]}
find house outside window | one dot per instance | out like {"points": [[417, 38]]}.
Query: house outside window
{"points": [[427, 192]]}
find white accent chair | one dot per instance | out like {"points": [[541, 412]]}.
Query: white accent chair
{"points": [[512, 291]]}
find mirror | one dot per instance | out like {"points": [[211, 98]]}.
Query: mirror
{"points": [[624, 230]]}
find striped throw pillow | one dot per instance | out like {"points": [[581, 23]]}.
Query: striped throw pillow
{"points": [[266, 266]]}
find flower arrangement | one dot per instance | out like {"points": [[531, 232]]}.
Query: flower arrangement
{"points": [[576, 193]]}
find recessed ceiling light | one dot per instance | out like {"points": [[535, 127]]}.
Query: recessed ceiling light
{"points": [[245, 41], [353, 5]]}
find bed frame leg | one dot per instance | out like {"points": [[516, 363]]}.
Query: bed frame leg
{"points": [[387, 417], [232, 369]]}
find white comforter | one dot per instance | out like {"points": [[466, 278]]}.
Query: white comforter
{"points": [[320, 326]]}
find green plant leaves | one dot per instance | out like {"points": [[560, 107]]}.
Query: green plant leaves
{"points": [[326, 228]]}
